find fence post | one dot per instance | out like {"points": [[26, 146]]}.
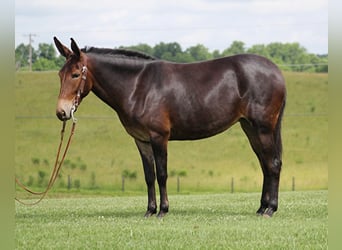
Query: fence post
{"points": [[69, 182], [232, 185], [293, 183], [178, 184], [123, 184]]}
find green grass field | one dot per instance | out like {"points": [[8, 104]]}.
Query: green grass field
{"points": [[211, 221], [101, 150]]}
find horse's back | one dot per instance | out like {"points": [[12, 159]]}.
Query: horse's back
{"points": [[243, 70]]}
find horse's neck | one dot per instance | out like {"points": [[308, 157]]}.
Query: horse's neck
{"points": [[114, 80]]}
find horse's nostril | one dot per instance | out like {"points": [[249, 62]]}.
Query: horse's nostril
{"points": [[61, 115]]}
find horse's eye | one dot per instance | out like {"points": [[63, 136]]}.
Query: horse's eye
{"points": [[75, 75]]}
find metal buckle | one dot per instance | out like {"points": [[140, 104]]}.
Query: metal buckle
{"points": [[72, 111]]}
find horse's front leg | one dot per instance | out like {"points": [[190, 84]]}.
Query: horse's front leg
{"points": [[159, 146], [146, 153]]}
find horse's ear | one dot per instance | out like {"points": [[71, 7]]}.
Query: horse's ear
{"points": [[75, 48], [61, 48]]}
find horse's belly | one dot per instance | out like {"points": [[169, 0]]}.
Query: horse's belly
{"points": [[199, 130]]}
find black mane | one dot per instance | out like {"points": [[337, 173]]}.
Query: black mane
{"points": [[118, 52]]}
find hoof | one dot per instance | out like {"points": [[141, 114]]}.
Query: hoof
{"points": [[161, 214], [148, 213], [266, 216], [261, 211], [265, 212], [268, 213]]}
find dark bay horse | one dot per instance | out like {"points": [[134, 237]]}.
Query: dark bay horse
{"points": [[158, 101]]}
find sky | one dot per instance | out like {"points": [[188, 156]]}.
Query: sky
{"points": [[213, 23]]}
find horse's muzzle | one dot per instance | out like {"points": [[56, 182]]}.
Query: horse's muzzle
{"points": [[64, 109], [62, 115]]}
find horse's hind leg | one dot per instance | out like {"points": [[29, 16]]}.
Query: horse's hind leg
{"points": [[267, 147]]}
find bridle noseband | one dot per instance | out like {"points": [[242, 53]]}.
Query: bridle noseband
{"points": [[80, 90]]}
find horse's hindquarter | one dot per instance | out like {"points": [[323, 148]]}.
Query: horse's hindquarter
{"points": [[265, 89]]}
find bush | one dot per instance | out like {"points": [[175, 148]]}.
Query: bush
{"points": [[41, 178], [129, 174], [44, 64], [77, 184]]}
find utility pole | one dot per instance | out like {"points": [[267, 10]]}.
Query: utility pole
{"points": [[30, 49]]}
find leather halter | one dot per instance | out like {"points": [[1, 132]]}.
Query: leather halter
{"points": [[80, 90]]}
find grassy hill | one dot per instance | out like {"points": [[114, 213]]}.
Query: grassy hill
{"points": [[101, 150]]}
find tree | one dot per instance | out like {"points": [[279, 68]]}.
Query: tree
{"points": [[22, 55], [199, 52], [323, 60], [291, 55], [44, 64], [294, 53], [59, 61], [183, 58], [259, 49], [46, 51], [216, 54], [141, 47], [237, 47], [167, 51]]}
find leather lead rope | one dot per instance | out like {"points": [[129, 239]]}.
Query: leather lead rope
{"points": [[56, 169]]}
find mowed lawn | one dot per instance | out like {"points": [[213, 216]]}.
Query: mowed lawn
{"points": [[207, 221]]}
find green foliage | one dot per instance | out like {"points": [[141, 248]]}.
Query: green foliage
{"points": [[41, 178], [46, 51], [166, 51], [76, 164], [43, 64], [209, 221], [142, 47], [259, 49], [35, 161], [30, 181], [289, 56], [22, 55], [180, 173], [199, 52], [129, 174], [77, 184], [237, 47]]}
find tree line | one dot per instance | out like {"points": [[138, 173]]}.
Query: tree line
{"points": [[288, 56]]}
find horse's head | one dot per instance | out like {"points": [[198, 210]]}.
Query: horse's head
{"points": [[73, 77]]}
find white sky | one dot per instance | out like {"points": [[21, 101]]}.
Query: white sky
{"points": [[213, 23]]}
